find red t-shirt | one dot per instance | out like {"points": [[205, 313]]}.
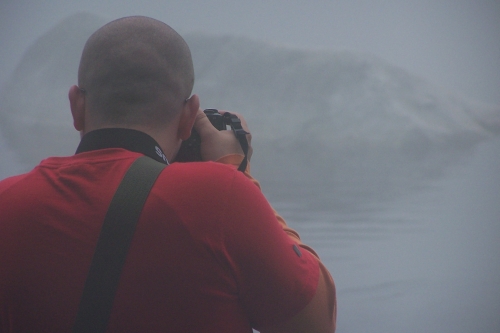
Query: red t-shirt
{"points": [[208, 254]]}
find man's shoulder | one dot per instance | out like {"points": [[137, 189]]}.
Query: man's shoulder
{"points": [[200, 172], [9, 182], [201, 179], [203, 167], [77, 165]]}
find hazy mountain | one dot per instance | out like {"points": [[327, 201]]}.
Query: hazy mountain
{"points": [[330, 110], [317, 116], [34, 110]]}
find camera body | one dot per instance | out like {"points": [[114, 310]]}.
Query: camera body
{"points": [[190, 150]]}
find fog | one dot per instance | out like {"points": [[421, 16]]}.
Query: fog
{"points": [[454, 44], [376, 133]]}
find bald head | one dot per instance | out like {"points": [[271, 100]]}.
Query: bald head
{"points": [[135, 70]]}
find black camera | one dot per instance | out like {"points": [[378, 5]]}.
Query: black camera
{"points": [[190, 150]]}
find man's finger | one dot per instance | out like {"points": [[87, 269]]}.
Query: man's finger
{"points": [[202, 124]]}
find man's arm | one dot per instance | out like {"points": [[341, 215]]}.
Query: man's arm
{"points": [[320, 314]]}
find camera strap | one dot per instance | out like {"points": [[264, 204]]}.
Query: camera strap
{"points": [[124, 138], [113, 244], [235, 123]]}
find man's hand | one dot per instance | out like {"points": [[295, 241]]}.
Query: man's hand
{"points": [[216, 144]]}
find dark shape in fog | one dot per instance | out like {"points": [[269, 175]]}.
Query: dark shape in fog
{"points": [[321, 117]]}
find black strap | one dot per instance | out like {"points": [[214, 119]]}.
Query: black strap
{"points": [[125, 138], [241, 135], [113, 244]]}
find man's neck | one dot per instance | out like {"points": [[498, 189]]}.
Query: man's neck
{"points": [[129, 139]]}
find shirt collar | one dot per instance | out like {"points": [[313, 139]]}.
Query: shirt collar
{"points": [[125, 138]]}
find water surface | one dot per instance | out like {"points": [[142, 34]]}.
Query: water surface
{"points": [[425, 261]]}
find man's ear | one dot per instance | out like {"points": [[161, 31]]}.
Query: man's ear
{"points": [[77, 104], [188, 117]]}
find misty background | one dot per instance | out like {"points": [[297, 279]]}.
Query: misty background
{"points": [[376, 133], [455, 44]]}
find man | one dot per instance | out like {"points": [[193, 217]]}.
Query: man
{"points": [[209, 254]]}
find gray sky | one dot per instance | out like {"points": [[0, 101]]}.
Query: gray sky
{"points": [[454, 44]]}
